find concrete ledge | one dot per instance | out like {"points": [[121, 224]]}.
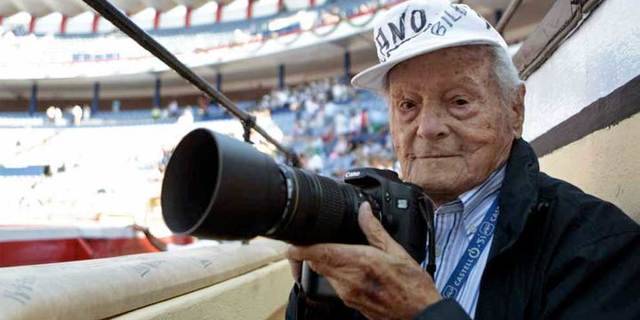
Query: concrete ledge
{"points": [[102, 288], [256, 295]]}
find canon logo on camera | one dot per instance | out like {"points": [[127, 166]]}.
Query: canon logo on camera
{"points": [[352, 174]]}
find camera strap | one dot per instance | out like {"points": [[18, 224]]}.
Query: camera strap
{"points": [[472, 254]]}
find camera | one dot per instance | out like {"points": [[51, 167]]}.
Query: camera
{"points": [[217, 187]]}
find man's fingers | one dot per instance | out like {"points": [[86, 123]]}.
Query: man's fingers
{"points": [[372, 228], [328, 258], [314, 252], [327, 253], [376, 234]]}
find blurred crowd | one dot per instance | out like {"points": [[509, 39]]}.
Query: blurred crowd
{"points": [[336, 128]]}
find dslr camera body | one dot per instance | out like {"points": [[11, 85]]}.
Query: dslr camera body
{"points": [[402, 210]]}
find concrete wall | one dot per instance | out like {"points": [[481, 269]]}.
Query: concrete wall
{"points": [[598, 58], [602, 55], [229, 281], [605, 163], [260, 294]]}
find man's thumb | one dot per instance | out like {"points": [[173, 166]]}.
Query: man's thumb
{"points": [[372, 228]]}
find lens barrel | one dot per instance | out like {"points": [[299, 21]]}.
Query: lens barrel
{"points": [[221, 188], [322, 210]]}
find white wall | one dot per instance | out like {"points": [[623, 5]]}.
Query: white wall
{"points": [[144, 18], [263, 8], [80, 23], [173, 18], [602, 55], [236, 10], [205, 14], [21, 18], [296, 4], [49, 24]]}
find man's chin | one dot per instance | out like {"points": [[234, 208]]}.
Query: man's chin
{"points": [[434, 186], [435, 174]]}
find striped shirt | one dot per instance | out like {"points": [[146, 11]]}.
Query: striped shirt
{"points": [[455, 224]]}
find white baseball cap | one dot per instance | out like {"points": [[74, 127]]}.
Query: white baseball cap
{"points": [[416, 27]]}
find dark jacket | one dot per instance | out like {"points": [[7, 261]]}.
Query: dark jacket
{"points": [[557, 253]]}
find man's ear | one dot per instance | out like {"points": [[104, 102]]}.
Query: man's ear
{"points": [[517, 111]]}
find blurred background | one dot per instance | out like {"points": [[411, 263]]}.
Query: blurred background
{"points": [[89, 119]]}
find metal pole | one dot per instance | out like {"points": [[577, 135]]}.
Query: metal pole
{"points": [[219, 81], [281, 75], [508, 14], [95, 103], [122, 22], [156, 93], [347, 67], [33, 102]]}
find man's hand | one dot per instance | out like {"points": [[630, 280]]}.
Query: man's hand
{"points": [[381, 280]]}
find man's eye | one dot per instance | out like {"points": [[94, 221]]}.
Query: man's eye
{"points": [[460, 101], [407, 106]]}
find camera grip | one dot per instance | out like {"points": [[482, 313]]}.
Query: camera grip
{"points": [[315, 286]]}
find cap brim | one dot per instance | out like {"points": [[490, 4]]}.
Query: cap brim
{"points": [[374, 78]]}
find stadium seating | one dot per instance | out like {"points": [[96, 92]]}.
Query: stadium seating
{"points": [[80, 53], [172, 22]]}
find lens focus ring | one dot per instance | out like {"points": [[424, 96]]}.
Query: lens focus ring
{"points": [[331, 211], [319, 210]]}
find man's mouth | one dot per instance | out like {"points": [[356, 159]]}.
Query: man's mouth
{"points": [[432, 156]]}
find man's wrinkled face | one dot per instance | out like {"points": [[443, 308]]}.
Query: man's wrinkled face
{"points": [[451, 125]]}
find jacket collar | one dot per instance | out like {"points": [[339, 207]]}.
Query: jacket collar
{"points": [[518, 196]]}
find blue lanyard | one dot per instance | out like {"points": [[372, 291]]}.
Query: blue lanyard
{"points": [[471, 255]]}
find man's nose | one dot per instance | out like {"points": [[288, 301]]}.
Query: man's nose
{"points": [[432, 124]]}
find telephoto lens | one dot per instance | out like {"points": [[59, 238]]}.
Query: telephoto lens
{"points": [[221, 188]]}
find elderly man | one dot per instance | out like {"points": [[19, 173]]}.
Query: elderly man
{"points": [[456, 113]]}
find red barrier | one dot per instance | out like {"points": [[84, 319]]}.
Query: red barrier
{"points": [[18, 253]]}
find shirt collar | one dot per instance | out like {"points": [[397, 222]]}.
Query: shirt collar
{"points": [[472, 198], [467, 202]]}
